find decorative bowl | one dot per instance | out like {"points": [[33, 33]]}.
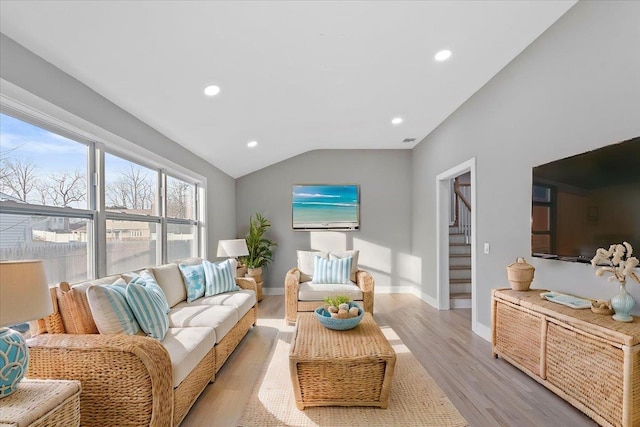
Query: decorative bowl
{"points": [[324, 316]]}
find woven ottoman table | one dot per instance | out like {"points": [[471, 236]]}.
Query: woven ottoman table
{"points": [[39, 403], [340, 368]]}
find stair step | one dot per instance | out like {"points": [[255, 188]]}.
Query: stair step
{"points": [[459, 280], [461, 295], [459, 255], [460, 267], [459, 288]]}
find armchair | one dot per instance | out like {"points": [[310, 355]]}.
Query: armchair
{"points": [[302, 295]]}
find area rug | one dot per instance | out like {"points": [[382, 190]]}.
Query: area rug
{"points": [[415, 399]]}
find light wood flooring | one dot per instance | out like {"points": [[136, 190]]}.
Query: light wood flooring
{"points": [[486, 391]]}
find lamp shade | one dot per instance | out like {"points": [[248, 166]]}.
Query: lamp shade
{"points": [[232, 248], [24, 292]]}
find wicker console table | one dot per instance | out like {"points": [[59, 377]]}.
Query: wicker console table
{"points": [[340, 368], [37, 403], [588, 359]]}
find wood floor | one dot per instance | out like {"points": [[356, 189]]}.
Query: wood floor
{"points": [[486, 391]]}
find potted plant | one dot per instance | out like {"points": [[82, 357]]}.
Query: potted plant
{"points": [[260, 253]]}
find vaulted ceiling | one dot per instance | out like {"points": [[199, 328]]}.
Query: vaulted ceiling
{"points": [[293, 75]]}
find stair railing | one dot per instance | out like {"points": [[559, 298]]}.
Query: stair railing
{"points": [[462, 208]]}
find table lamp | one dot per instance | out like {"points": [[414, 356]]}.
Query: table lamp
{"points": [[24, 296], [232, 248]]}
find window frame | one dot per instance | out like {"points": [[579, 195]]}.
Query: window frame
{"points": [[96, 185]]}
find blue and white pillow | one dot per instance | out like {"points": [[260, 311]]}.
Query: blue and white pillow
{"points": [[147, 279], [219, 278], [110, 309], [148, 308], [193, 280], [327, 271]]}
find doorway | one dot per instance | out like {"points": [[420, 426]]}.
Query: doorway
{"points": [[444, 217]]}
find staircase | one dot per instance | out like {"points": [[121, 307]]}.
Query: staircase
{"points": [[459, 269]]}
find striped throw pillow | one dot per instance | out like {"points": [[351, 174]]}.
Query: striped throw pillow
{"points": [[148, 308], [332, 271], [193, 280], [218, 278], [147, 279], [110, 309]]}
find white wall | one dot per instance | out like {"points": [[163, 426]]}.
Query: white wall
{"points": [[24, 69], [384, 238], [576, 88]]}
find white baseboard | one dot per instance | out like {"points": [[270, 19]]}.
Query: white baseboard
{"points": [[483, 331]]}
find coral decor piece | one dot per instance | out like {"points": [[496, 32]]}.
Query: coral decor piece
{"points": [[621, 264]]}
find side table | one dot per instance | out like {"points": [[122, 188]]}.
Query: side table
{"points": [[42, 403]]}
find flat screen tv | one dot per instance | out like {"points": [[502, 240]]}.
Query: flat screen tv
{"points": [[586, 202], [325, 207]]}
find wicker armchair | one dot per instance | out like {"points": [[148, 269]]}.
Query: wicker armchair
{"points": [[364, 280]]}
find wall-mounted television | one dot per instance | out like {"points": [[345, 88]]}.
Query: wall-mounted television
{"points": [[325, 207], [585, 202]]}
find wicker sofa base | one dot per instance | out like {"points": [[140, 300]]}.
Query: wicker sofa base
{"points": [[124, 378]]}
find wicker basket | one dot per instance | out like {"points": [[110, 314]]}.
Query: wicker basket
{"points": [[520, 275]]}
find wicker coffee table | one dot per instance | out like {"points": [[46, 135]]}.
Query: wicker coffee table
{"points": [[340, 368]]}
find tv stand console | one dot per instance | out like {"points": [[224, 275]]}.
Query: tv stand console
{"points": [[588, 359]]}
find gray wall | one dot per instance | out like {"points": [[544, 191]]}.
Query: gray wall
{"points": [[574, 89], [30, 72], [384, 238]]}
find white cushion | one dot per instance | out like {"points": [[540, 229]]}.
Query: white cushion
{"points": [[243, 300], [316, 292], [187, 347], [305, 263], [220, 317], [110, 309], [170, 280], [345, 254]]}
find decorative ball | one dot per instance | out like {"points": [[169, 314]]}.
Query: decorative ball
{"points": [[343, 306], [14, 359]]}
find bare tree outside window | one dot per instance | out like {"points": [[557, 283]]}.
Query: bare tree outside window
{"points": [[134, 187], [180, 199], [21, 178]]}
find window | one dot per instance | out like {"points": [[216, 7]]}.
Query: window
{"points": [[131, 245], [130, 187], [182, 227], [52, 208], [43, 200]]}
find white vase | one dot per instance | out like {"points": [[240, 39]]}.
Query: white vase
{"points": [[622, 304]]}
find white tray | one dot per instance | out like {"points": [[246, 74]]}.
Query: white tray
{"points": [[568, 300]]}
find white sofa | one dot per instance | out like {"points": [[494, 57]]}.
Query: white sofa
{"points": [[134, 379]]}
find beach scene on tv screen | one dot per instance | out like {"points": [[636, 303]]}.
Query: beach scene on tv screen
{"points": [[325, 206]]}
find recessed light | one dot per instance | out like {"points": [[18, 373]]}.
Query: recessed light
{"points": [[212, 90], [252, 144], [443, 55], [396, 120]]}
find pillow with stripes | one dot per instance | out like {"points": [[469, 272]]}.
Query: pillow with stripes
{"points": [[145, 278], [110, 309], [218, 278], [148, 308], [332, 271]]}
